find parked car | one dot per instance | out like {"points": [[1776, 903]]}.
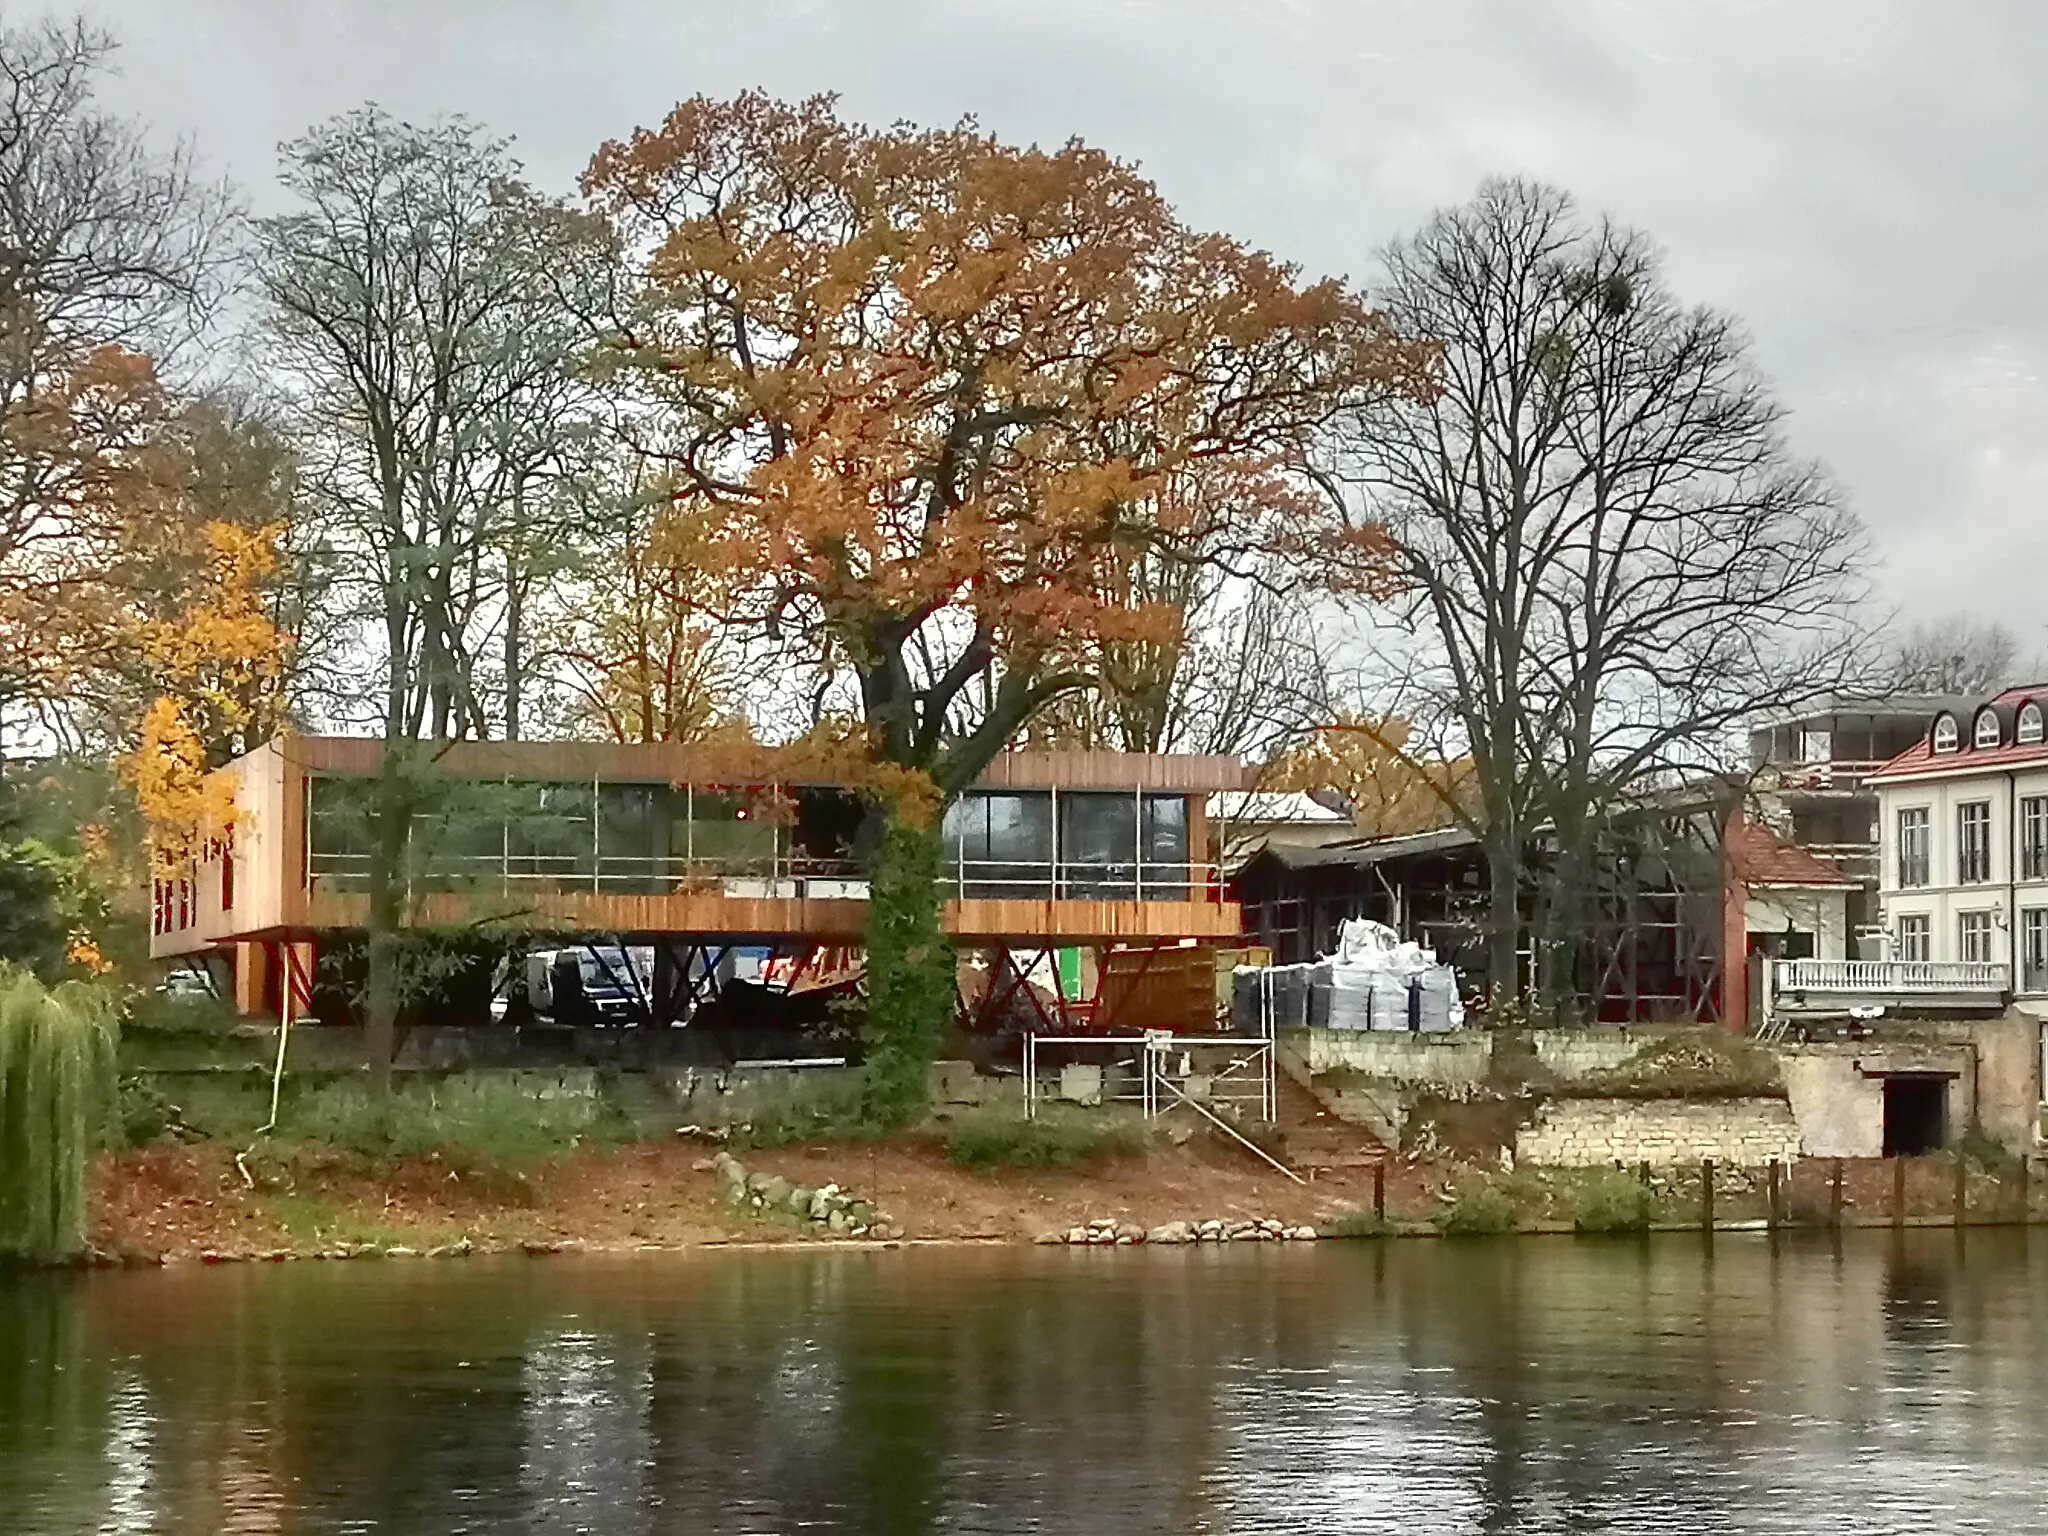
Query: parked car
{"points": [[605, 984], [187, 981]]}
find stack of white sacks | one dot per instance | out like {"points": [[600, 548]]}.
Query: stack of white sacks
{"points": [[1376, 980]]}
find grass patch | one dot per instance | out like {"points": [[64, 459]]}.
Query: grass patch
{"points": [[314, 1219], [179, 1014], [1608, 1200], [1357, 1224], [1056, 1138], [146, 1114], [1985, 1155], [826, 1111], [495, 1119], [1480, 1208], [1694, 1065]]}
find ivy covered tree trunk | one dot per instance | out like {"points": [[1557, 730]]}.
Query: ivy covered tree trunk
{"points": [[911, 979], [380, 1010], [388, 903]]}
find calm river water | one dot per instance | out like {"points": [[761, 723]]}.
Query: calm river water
{"points": [[1542, 1385]]}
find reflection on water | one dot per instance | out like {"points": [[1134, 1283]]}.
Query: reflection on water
{"points": [[589, 1445], [130, 1431], [1536, 1386]]}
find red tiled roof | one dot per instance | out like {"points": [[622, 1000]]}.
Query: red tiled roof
{"points": [[1757, 857], [1921, 758]]}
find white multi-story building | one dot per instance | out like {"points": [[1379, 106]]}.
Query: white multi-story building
{"points": [[1963, 848]]}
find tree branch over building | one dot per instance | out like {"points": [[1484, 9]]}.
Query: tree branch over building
{"points": [[925, 399]]}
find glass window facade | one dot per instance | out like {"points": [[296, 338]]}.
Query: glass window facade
{"points": [[1000, 845], [1914, 937], [1973, 842], [628, 839], [550, 840], [732, 834], [2034, 838], [1913, 859], [2034, 950], [1099, 847], [1163, 874], [1106, 845], [637, 838], [1973, 935]]}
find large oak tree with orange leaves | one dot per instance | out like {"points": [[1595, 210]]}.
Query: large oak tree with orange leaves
{"points": [[933, 395], [924, 400]]}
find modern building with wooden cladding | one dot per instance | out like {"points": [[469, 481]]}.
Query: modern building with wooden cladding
{"points": [[651, 841]]}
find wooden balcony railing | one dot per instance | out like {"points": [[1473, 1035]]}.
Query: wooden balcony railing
{"points": [[781, 876]]}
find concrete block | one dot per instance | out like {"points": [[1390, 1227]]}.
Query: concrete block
{"points": [[1081, 1083]]}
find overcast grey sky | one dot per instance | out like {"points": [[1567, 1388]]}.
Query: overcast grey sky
{"points": [[1862, 180]]}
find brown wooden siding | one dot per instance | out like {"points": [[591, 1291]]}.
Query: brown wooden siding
{"points": [[272, 899], [741, 917], [1113, 770]]}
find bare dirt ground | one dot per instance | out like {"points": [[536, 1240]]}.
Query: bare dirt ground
{"points": [[172, 1203], [191, 1201], [194, 1201]]}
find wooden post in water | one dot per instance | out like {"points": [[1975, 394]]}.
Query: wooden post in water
{"points": [[1379, 1190], [1898, 1192], [1774, 1176], [1835, 1196], [2026, 1193], [1962, 1194], [1707, 1194]]}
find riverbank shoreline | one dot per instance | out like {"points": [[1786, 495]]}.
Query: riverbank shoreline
{"points": [[98, 1260], [203, 1203]]}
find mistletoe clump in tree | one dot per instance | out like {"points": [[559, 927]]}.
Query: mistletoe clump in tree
{"points": [[921, 399]]}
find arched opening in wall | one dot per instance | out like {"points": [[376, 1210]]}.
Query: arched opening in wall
{"points": [[1915, 1114]]}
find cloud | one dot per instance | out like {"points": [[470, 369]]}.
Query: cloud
{"points": [[1858, 178]]}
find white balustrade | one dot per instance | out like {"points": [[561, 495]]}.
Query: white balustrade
{"points": [[1915, 977]]}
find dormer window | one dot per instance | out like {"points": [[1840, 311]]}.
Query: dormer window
{"points": [[1987, 732], [1947, 735], [2029, 731]]}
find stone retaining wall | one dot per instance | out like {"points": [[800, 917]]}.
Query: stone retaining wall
{"points": [[1576, 1053], [733, 1095], [1464, 1056], [1581, 1133]]}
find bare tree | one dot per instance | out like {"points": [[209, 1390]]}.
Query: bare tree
{"points": [[1249, 666], [111, 251], [1612, 550], [413, 310], [1958, 655], [103, 238]]}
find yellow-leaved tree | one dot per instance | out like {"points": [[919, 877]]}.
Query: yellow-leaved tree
{"points": [[637, 641], [1391, 784], [218, 661]]}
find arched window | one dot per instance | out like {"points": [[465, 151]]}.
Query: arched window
{"points": [[1947, 736], [1987, 732], [2030, 731]]}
